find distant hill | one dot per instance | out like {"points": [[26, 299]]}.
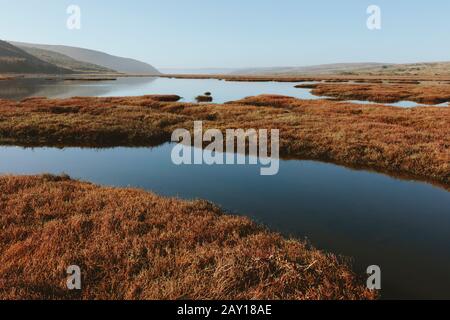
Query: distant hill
{"points": [[16, 60], [409, 69], [310, 70], [370, 68], [66, 62], [123, 65]]}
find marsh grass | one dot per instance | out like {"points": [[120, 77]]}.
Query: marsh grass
{"points": [[384, 93], [132, 244], [413, 142]]}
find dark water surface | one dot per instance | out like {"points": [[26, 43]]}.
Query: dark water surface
{"points": [[402, 226]]}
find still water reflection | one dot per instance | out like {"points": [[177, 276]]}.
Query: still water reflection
{"points": [[222, 91], [402, 226]]}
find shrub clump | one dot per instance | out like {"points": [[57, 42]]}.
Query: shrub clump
{"points": [[204, 98]]}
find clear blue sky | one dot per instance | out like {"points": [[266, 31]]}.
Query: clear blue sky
{"points": [[238, 33]]}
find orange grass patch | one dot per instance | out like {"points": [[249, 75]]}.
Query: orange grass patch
{"points": [[132, 244], [414, 142], [383, 93]]}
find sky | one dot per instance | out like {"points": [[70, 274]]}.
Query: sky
{"points": [[238, 33]]}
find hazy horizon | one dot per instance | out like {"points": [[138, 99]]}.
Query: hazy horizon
{"points": [[203, 34]]}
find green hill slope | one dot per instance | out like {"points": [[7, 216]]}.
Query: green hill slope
{"points": [[120, 64], [66, 62], [16, 60]]}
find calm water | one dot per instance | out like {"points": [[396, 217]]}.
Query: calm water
{"points": [[402, 226], [222, 91]]}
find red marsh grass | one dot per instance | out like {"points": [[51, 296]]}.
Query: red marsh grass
{"points": [[131, 244], [383, 93], [411, 142]]}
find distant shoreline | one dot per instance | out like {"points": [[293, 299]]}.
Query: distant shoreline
{"points": [[238, 78]]}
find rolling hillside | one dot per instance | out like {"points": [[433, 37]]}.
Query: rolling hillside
{"points": [[310, 70], [66, 62], [382, 69], [123, 65], [410, 69], [16, 60]]}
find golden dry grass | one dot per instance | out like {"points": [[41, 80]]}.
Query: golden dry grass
{"points": [[131, 244], [384, 93], [412, 142], [399, 141], [86, 121]]}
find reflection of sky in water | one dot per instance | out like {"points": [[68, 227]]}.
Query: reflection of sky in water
{"points": [[222, 91], [402, 226]]}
